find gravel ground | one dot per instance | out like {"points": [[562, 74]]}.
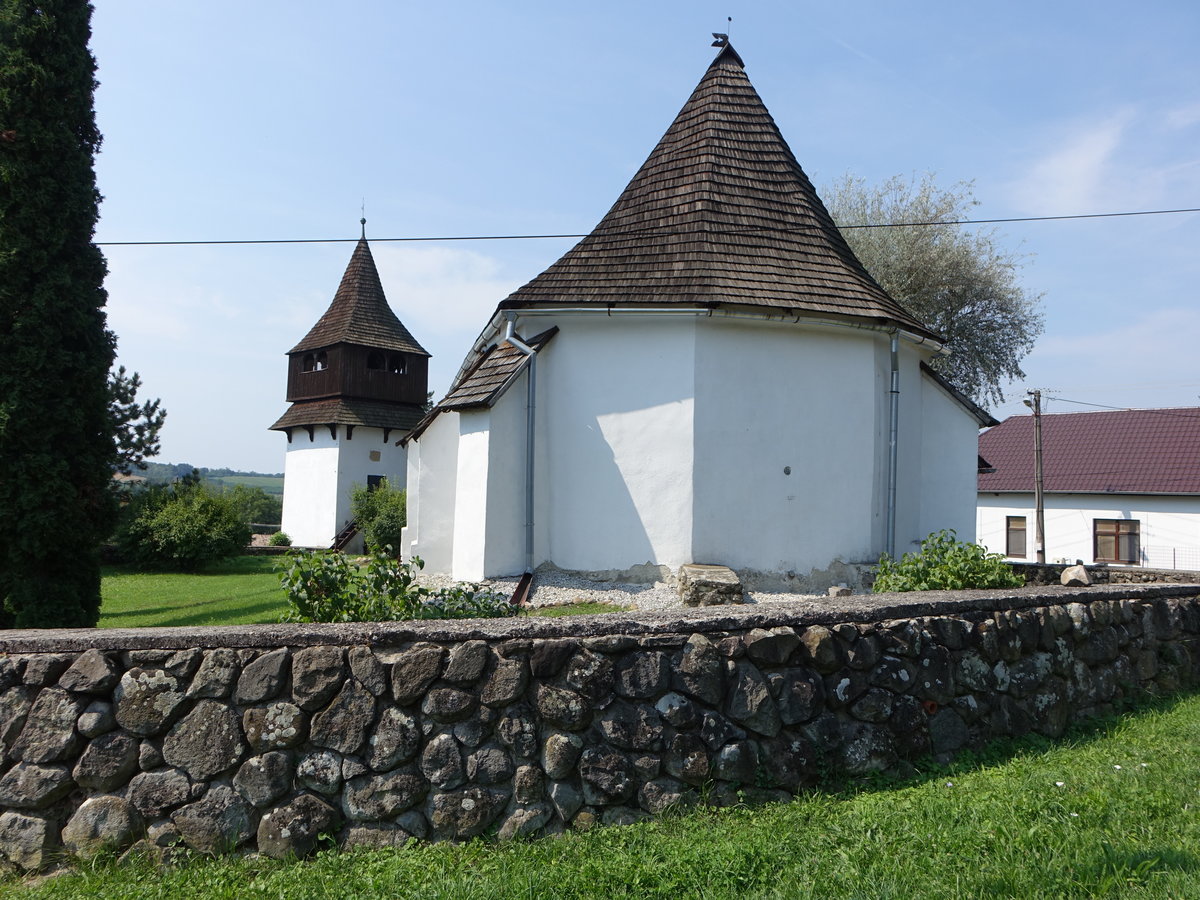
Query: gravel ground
{"points": [[554, 588]]}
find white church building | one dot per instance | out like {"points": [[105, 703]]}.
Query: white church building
{"points": [[710, 376], [357, 383]]}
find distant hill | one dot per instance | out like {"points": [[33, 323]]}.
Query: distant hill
{"points": [[165, 473]]}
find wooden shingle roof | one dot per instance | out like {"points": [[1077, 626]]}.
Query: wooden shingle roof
{"points": [[495, 371], [1131, 451], [720, 213], [367, 413], [359, 313]]}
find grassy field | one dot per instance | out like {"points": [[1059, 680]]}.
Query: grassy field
{"points": [[243, 591], [271, 484], [1109, 812]]}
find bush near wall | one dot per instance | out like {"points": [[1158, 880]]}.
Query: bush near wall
{"points": [[182, 528], [268, 738], [381, 513]]}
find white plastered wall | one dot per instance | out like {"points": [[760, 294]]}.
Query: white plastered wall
{"points": [[320, 472], [504, 552], [663, 438], [616, 436], [1169, 527], [310, 489], [433, 479], [470, 496], [787, 474], [949, 463]]}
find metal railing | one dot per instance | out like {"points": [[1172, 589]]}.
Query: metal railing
{"points": [[1186, 558]]}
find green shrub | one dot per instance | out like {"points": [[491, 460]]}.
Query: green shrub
{"points": [[183, 527], [945, 563], [254, 505], [280, 539], [324, 586], [381, 513]]}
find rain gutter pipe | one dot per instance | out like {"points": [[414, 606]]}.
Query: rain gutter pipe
{"points": [[911, 337], [893, 444], [512, 340]]}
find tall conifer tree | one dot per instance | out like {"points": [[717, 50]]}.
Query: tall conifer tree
{"points": [[56, 444]]}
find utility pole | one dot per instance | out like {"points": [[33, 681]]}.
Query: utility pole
{"points": [[1039, 498]]}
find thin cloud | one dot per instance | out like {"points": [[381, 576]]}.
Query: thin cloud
{"points": [[1183, 117], [1157, 342], [442, 291], [1076, 176]]}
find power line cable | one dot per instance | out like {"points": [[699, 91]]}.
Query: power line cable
{"points": [[541, 237], [1156, 412]]}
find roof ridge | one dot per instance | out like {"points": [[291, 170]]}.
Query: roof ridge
{"points": [[1091, 412]]}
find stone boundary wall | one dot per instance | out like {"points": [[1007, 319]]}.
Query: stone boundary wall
{"points": [[1051, 573], [267, 737]]}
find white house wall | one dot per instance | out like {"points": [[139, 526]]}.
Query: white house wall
{"points": [[310, 489], [615, 405], [911, 448], [320, 473], [470, 497], [505, 537], [663, 439], [785, 443], [433, 480], [949, 474], [1169, 526]]}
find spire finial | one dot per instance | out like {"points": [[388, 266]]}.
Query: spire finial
{"points": [[363, 220], [721, 38]]}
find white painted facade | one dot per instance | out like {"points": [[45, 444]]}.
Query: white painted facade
{"points": [[666, 439], [1169, 526], [321, 471]]}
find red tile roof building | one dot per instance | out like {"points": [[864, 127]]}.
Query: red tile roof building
{"points": [[1129, 451], [1122, 487]]}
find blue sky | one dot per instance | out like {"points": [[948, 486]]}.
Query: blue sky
{"points": [[274, 120]]}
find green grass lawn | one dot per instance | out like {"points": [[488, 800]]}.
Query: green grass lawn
{"points": [[1109, 812], [243, 591]]}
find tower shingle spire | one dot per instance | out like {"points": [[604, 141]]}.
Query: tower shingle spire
{"points": [[359, 313], [719, 214]]}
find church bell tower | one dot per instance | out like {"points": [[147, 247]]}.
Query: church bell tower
{"points": [[357, 383]]}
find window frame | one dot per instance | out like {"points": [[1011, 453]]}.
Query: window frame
{"points": [[1121, 532], [1009, 532]]}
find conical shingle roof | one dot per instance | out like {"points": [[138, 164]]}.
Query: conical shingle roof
{"points": [[359, 313], [720, 213]]}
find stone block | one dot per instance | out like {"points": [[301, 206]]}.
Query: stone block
{"points": [[708, 585]]}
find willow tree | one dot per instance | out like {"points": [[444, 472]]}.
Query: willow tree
{"points": [[956, 279], [56, 430]]}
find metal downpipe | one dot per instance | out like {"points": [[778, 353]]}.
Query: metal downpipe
{"points": [[893, 445], [530, 417]]}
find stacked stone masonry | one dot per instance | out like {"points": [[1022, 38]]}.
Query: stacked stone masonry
{"points": [[269, 738]]}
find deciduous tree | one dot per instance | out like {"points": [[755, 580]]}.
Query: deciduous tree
{"points": [[957, 280]]}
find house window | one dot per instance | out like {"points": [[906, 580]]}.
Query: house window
{"points": [[1014, 530], [309, 362], [396, 364], [374, 360], [374, 481], [1117, 541], [321, 363]]}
